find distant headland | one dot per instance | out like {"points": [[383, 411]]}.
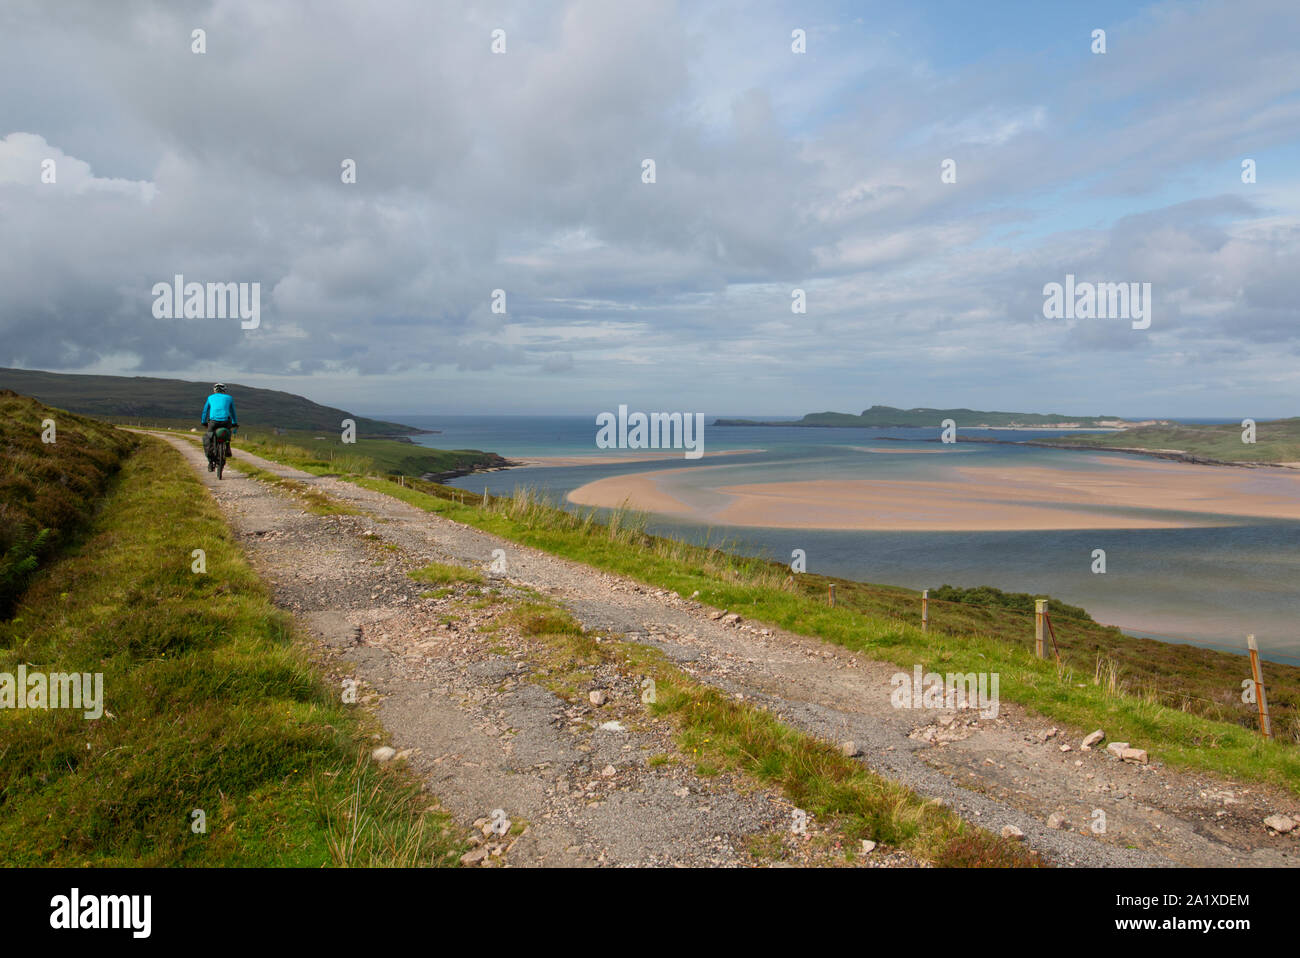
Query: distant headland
{"points": [[889, 416]]}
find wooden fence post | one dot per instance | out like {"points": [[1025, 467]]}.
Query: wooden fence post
{"points": [[1261, 697], [1040, 610], [832, 595], [925, 610]]}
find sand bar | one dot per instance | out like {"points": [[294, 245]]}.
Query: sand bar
{"points": [[652, 455], [979, 498], [903, 450]]}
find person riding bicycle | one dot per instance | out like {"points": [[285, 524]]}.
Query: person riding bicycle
{"points": [[218, 412]]}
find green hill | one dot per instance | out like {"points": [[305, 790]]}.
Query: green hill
{"points": [[143, 400], [967, 418], [1275, 441]]}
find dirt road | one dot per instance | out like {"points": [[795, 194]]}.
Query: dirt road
{"points": [[485, 739]]}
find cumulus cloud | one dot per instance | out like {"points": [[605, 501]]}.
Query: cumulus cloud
{"points": [[523, 172]]}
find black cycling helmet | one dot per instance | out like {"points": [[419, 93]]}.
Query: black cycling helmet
{"points": [[219, 387]]}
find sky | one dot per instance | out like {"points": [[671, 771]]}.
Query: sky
{"points": [[774, 171]]}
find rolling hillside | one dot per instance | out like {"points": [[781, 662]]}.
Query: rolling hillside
{"points": [[148, 401]]}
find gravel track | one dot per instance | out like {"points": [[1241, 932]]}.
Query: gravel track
{"points": [[440, 695]]}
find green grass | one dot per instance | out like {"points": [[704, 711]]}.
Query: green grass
{"points": [[324, 453], [48, 490], [1275, 441], [213, 706], [539, 618], [440, 573]]}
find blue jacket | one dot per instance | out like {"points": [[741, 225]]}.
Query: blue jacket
{"points": [[219, 406]]}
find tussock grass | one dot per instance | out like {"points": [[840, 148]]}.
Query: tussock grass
{"points": [[209, 704], [538, 619], [379, 818], [441, 573]]}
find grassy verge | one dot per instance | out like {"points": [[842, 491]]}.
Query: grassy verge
{"points": [[208, 704], [722, 733], [54, 466]]}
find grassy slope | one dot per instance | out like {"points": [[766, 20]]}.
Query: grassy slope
{"points": [[883, 623], [1277, 441], [47, 490], [213, 707], [152, 401], [325, 453], [1201, 681]]}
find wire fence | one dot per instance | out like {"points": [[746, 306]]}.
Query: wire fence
{"points": [[1150, 690]]}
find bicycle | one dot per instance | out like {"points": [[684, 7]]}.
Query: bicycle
{"points": [[220, 448]]}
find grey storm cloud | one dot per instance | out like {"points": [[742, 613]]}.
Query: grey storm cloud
{"points": [[522, 172]]}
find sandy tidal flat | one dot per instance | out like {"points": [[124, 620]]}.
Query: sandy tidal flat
{"points": [[653, 455], [979, 498]]}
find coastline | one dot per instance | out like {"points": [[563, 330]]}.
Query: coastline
{"points": [[543, 462], [1110, 425], [441, 477], [1171, 455], [1137, 495]]}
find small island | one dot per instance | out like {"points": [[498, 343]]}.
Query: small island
{"points": [[887, 416]]}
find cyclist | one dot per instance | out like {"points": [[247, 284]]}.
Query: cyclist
{"points": [[218, 411]]}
